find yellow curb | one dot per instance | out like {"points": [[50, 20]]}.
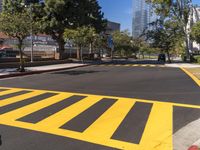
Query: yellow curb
{"points": [[194, 78]]}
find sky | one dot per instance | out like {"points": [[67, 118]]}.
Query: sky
{"points": [[118, 11], [121, 11]]}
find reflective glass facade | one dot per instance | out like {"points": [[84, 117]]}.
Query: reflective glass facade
{"points": [[142, 16]]}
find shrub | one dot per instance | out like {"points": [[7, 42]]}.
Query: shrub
{"points": [[197, 58]]}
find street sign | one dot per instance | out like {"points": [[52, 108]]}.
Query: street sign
{"points": [[110, 41]]}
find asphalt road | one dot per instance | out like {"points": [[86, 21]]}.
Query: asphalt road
{"points": [[153, 84]]}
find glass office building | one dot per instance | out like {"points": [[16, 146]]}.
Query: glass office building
{"points": [[142, 16]]}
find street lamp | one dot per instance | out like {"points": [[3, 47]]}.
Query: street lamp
{"points": [[31, 15], [31, 31]]}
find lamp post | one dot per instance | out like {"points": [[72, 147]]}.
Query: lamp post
{"points": [[31, 31], [31, 16]]}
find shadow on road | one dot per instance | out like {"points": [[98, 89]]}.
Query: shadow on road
{"points": [[78, 72]]}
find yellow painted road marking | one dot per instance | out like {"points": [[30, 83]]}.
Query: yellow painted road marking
{"points": [[19, 98], [135, 65], [26, 110], [128, 65], [158, 131], [10, 91], [196, 80], [157, 134], [143, 65], [106, 125], [65, 115], [152, 65]]}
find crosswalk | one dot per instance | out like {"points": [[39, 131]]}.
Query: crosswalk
{"points": [[92, 118], [133, 65]]}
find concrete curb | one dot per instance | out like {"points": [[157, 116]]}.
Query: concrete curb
{"points": [[187, 136], [39, 72]]}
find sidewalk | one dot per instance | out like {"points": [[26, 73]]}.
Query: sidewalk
{"points": [[183, 65], [11, 72]]}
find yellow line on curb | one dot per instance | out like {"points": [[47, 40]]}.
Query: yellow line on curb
{"points": [[195, 79]]}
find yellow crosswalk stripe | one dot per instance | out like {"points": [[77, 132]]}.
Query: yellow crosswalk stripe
{"points": [[106, 125], [26, 110], [20, 98], [65, 115], [152, 65], [135, 65], [143, 65], [157, 134], [128, 65], [9, 91], [158, 129]]}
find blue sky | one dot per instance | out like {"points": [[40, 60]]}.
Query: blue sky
{"points": [[118, 11], [121, 11]]}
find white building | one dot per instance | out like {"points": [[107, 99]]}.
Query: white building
{"points": [[193, 18]]}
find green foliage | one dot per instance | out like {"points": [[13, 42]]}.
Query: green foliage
{"points": [[81, 37], [197, 59], [178, 10], [195, 33], [122, 43], [13, 6], [71, 14], [16, 25], [166, 36]]}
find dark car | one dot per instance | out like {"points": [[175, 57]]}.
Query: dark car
{"points": [[162, 58]]}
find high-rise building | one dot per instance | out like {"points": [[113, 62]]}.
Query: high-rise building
{"points": [[142, 16]]}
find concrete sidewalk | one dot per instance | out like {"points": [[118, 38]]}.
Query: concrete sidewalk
{"points": [[183, 65], [11, 72]]}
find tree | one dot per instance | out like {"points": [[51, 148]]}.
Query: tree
{"points": [[13, 6], [81, 37], [175, 9], [122, 43], [16, 25], [195, 33], [165, 36], [70, 14]]}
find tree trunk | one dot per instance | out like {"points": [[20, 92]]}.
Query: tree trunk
{"points": [[21, 64], [78, 53], [168, 56], [187, 48], [91, 49], [61, 48]]}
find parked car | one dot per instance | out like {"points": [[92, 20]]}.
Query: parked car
{"points": [[162, 58]]}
